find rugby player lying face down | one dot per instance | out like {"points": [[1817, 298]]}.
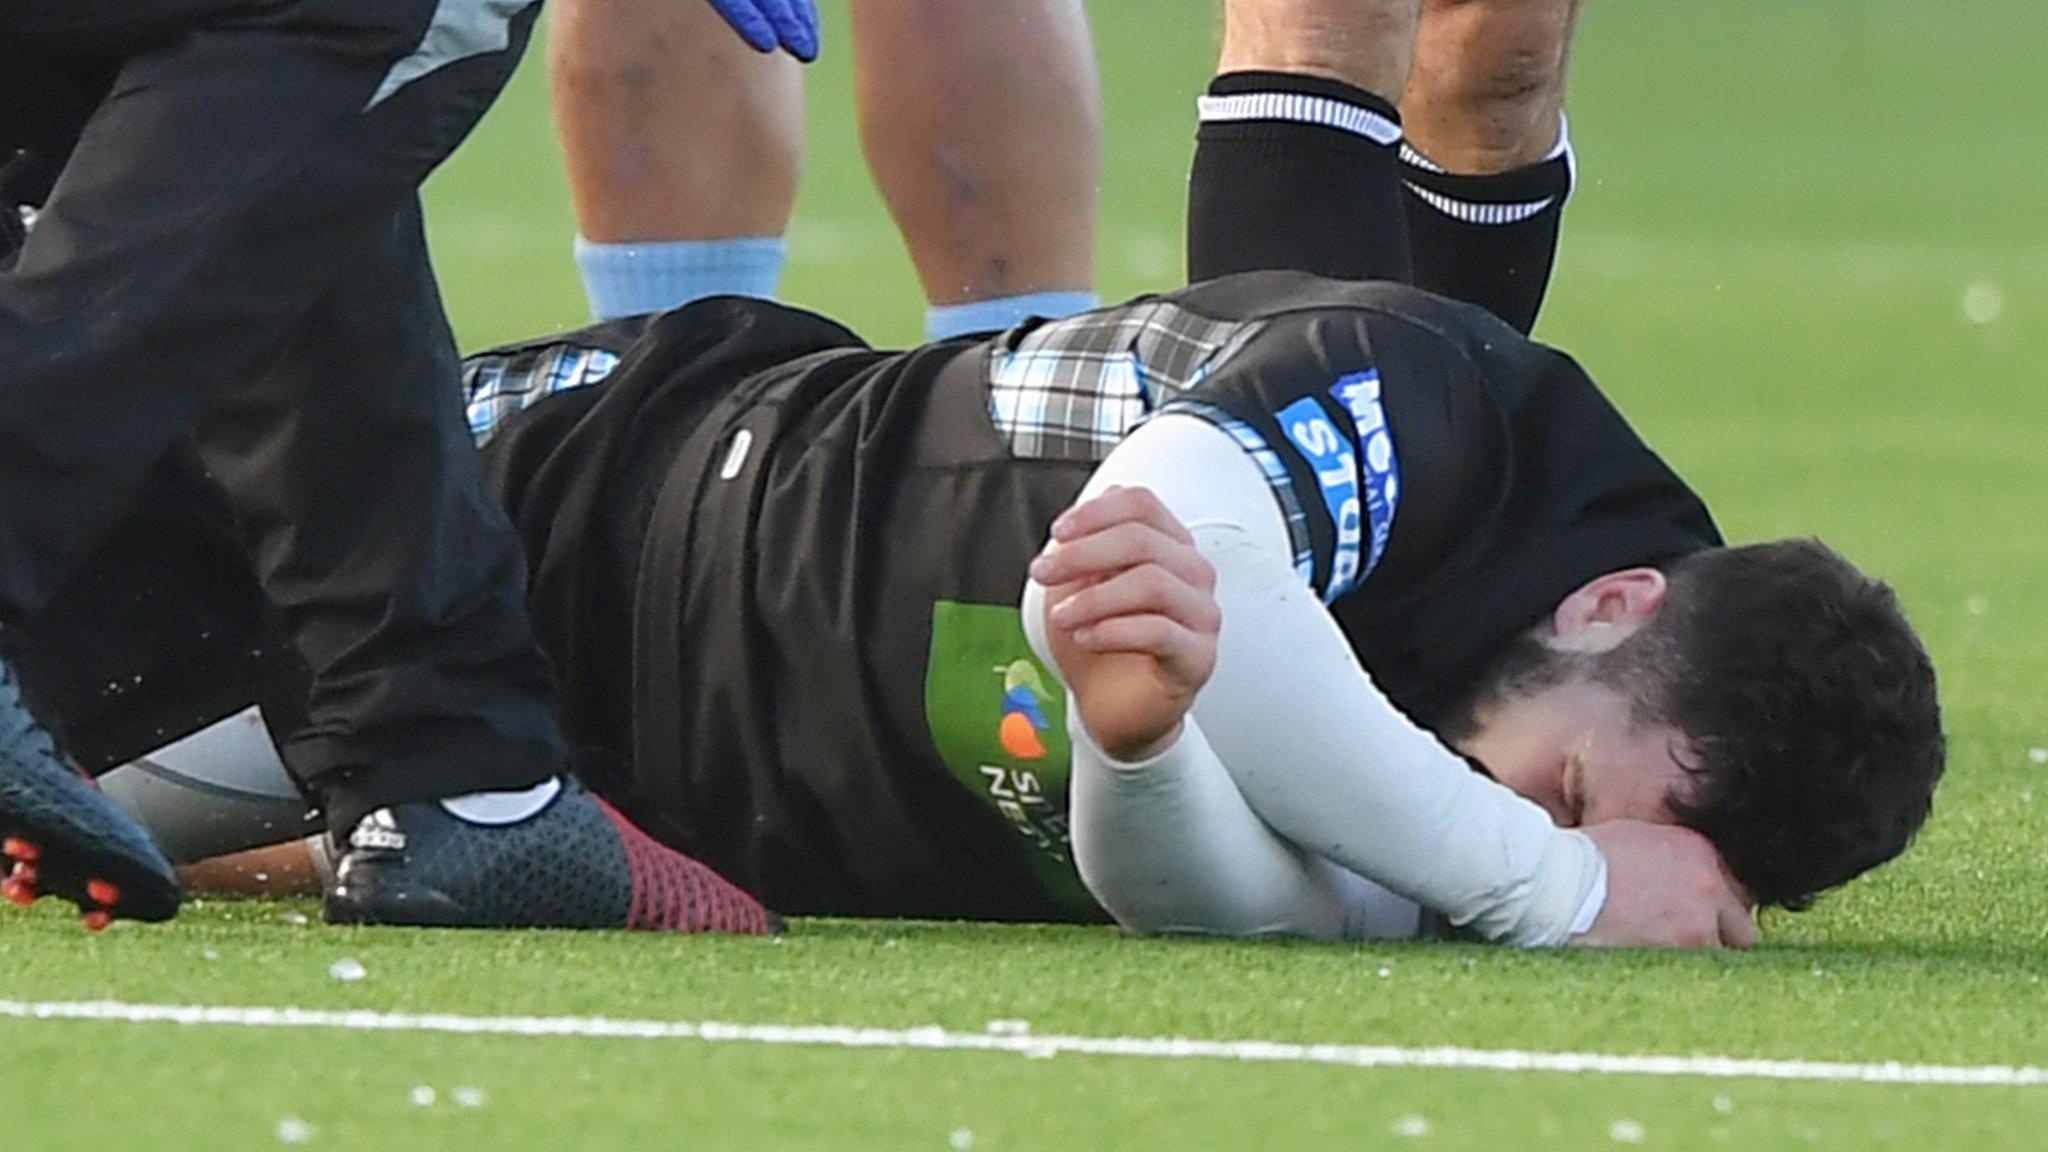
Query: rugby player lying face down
{"points": [[1593, 715]]}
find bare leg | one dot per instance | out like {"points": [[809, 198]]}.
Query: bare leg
{"points": [[1365, 43], [1489, 169], [982, 124], [286, 869], [679, 139], [1487, 87]]}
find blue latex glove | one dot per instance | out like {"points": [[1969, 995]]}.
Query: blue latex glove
{"points": [[791, 25]]}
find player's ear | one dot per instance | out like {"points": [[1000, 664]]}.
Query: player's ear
{"points": [[1608, 609]]}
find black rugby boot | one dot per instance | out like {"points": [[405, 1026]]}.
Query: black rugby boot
{"points": [[62, 837], [553, 856]]}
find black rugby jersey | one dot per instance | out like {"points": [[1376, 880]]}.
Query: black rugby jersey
{"points": [[780, 569]]}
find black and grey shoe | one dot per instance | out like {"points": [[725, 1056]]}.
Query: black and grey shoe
{"points": [[62, 837], [554, 856]]}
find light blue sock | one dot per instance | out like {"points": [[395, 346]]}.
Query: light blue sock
{"points": [[994, 315], [655, 276]]}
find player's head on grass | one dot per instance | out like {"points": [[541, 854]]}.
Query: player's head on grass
{"points": [[1771, 696], [1811, 710]]}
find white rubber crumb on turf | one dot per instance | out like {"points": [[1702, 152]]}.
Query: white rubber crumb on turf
{"points": [[1009, 1027], [1724, 1105], [468, 1097], [1983, 303], [292, 1130], [2038, 755], [296, 919], [1411, 1127], [348, 970], [960, 1139], [1976, 605], [424, 1096], [208, 954], [1625, 1132]]}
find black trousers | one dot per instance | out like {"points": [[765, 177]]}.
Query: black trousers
{"points": [[231, 267]]}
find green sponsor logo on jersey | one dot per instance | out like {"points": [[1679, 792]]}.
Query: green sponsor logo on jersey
{"points": [[999, 719]]}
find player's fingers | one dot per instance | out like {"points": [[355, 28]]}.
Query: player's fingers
{"points": [[1113, 549], [1145, 590], [1113, 505], [1119, 505], [1148, 508], [1129, 505], [1737, 926], [1058, 593], [1156, 636]]}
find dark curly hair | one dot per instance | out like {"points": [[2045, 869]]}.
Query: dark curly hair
{"points": [[1810, 707]]}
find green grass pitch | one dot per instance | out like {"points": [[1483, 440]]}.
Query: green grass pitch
{"points": [[1809, 259]]}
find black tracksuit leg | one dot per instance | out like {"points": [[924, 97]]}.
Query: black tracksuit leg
{"points": [[233, 254]]}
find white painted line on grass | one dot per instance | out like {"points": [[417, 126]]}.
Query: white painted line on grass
{"points": [[934, 1038]]}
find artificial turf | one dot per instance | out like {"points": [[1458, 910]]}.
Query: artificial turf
{"points": [[1808, 258]]}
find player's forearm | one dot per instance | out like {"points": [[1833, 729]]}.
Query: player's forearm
{"points": [[1322, 756], [1314, 748], [1168, 846]]}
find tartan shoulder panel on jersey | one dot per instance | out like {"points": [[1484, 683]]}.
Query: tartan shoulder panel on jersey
{"points": [[1070, 390], [500, 384]]}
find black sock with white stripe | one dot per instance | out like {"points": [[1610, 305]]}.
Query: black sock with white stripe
{"points": [[1490, 240], [1296, 172]]}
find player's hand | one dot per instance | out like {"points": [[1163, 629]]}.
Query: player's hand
{"points": [[791, 25], [1667, 888], [1131, 617]]}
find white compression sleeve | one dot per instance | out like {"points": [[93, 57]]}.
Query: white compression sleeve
{"points": [[1314, 748], [1168, 846]]}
